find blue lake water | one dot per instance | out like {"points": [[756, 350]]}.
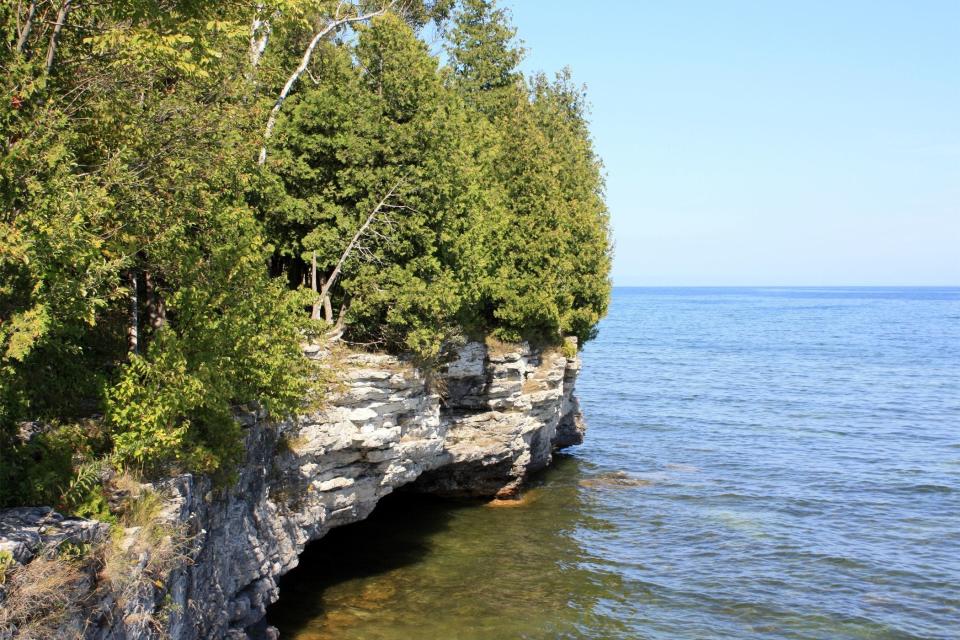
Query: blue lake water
{"points": [[761, 463]]}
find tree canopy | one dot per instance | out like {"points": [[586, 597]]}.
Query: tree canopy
{"points": [[191, 190]]}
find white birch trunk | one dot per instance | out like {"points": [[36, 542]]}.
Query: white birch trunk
{"points": [[301, 69]]}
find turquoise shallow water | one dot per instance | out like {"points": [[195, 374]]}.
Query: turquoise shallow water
{"points": [[761, 463]]}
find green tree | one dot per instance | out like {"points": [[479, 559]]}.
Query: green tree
{"points": [[546, 221], [550, 276], [381, 123], [123, 178], [484, 57]]}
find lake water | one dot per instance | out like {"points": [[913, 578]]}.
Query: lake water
{"points": [[761, 463]]}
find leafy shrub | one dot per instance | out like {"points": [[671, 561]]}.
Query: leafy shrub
{"points": [[41, 469]]}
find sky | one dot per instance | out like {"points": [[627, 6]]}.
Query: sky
{"points": [[768, 143]]}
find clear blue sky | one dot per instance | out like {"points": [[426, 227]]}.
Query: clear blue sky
{"points": [[769, 142]]}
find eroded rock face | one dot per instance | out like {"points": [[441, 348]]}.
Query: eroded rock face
{"points": [[501, 416], [493, 417]]}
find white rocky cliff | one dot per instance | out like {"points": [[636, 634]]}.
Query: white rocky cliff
{"points": [[491, 418]]}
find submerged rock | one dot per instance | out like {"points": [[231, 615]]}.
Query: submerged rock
{"points": [[523, 499], [615, 479]]}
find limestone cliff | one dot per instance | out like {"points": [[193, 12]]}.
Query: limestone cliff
{"points": [[479, 428]]}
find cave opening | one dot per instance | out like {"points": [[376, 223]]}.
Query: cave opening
{"points": [[422, 566], [370, 555]]}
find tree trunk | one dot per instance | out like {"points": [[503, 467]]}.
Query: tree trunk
{"points": [[315, 313], [260, 32], [133, 324], [156, 310], [27, 26], [54, 37], [336, 332], [327, 308]]}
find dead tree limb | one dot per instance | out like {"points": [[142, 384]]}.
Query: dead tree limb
{"points": [[332, 25], [353, 242]]}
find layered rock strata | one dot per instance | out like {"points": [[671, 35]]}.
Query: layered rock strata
{"points": [[479, 428]]}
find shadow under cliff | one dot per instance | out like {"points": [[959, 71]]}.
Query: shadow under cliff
{"points": [[397, 534], [423, 567]]}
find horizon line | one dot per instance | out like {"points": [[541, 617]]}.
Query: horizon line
{"points": [[786, 286]]}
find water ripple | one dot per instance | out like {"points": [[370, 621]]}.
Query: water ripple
{"points": [[821, 422]]}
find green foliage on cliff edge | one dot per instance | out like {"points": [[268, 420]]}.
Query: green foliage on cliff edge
{"points": [[497, 222], [153, 274]]}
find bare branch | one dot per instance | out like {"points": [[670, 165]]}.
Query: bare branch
{"points": [[353, 243], [332, 25]]}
